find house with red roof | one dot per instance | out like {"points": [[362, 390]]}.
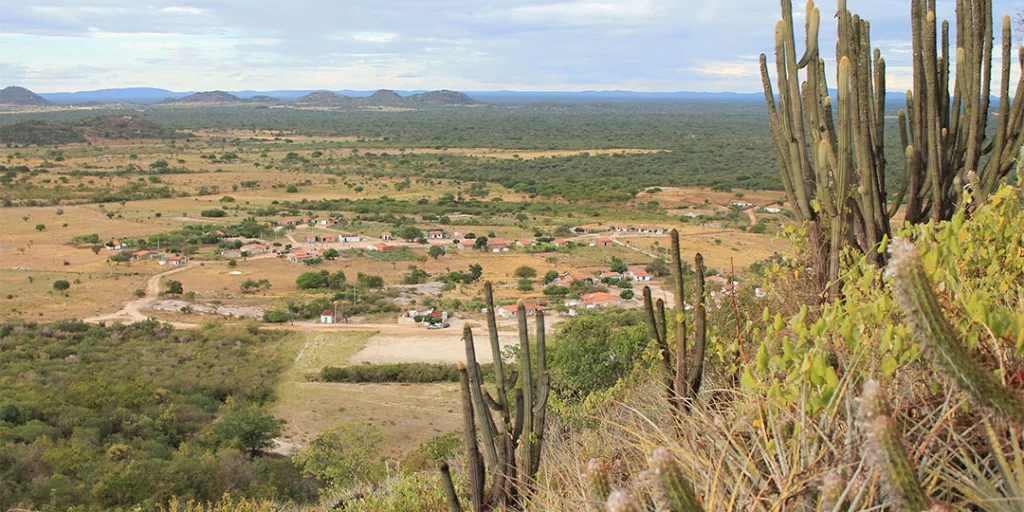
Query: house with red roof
{"points": [[599, 300]]}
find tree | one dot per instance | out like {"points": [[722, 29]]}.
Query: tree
{"points": [[480, 243], [626, 294], [415, 276], [140, 293], [337, 280], [40, 227], [553, 290], [61, 285], [344, 455], [436, 251], [370, 281], [476, 270], [311, 280], [249, 428], [657, 268], [593, 353], [331, 254], [550, 275], [409, 233], [525, 272], [174, 288], [525, 285], [618, 265], [96, 249]]}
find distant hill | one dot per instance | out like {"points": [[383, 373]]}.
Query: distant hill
{"points": [[142, 95], [15, 95], [38, 132], [384, 98], [325, 98], [206, 97], [442, 97], [262, 98], [102, 127]]}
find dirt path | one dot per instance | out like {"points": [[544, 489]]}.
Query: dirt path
{"points": [[132, 310], [752, 215]]}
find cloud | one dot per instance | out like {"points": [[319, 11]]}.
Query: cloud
{"points": [[468, 44]]}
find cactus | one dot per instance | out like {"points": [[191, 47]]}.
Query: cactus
{"points": [[840, 192], [886, 451], [673, 491], [505, 437], [598, 486], [684, 372], [915, 295]]}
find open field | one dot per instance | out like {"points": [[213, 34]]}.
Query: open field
{"points": [[407, 414]]}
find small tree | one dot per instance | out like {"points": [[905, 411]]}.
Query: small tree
{"points": [[344, 455], [61, 285], [249, 428], [525, 272], [40, 227], [174, 288], [551, 275], [436, 251], [480, 243], [331, 254], [618, 265], [626, 294], [96, 249], [525, 285]]}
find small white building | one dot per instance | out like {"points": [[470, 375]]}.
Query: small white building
{"points": [[327, 317], [349, 238]]}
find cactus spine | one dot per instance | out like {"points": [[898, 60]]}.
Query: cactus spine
{"points": [[505, 437], [886, 451], [914, 293], [684, 371]]}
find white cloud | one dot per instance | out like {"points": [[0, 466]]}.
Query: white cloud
{"points": [[184, 9]]}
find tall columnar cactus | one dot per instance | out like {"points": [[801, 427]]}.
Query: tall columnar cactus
{"points": [[885, 450], [833, 167], [673, 491], [915, 295], [684, 371], [508, 436]]}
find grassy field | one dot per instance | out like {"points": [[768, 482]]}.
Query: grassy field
{"points": [[407, 414]]}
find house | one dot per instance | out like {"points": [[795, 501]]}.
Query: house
{"points": [[457, 234], [559, 242], [772, 209], [651, 230], [712, 225], [328, 239], [232, 253], [290, 221], [624, 229], [511, 310], [599, 300], [464, 244], [386, 235], [299, 257], [603, 241], [437, 316], [145, 255], [497, 245], [312, 239], [741, 204], [525, 243], [254, 249], [435, 234], [349, 238], [567, 279], [323, 221], [640, 275], [327, 317], [114, 245], [174, 261], [382, 247], [615, 276]]}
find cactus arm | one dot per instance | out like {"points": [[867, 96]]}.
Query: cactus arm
{"points": [[451, 497], [489, 430], [673, 490], [682, 370], [517, 430], [700, 329], [499, 367], [540, 399], [474, 462], [659, 338], [598, 485], [886, 451], [528, 387], [914, 293]]}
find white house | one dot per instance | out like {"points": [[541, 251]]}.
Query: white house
{"points": [[349, 237], [327, 317], [640, 275], [772, 209]]}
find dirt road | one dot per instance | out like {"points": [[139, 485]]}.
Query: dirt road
{"points": [[132, 310]]}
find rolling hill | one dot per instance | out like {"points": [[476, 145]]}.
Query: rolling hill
{"points": [[205, 97], [21, 96], [325, 98], [442, 97]]}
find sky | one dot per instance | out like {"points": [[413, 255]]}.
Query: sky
{"points": [[529, 45]]}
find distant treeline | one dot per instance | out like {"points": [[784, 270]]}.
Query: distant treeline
{"points": [[396, 372]]}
